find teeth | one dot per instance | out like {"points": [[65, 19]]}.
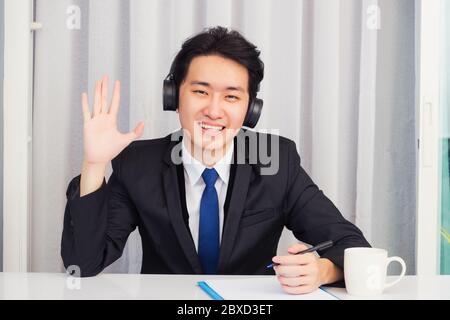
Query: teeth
{"points": [[206, 126]]}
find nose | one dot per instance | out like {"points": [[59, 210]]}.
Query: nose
{"points": [[214, 109]]}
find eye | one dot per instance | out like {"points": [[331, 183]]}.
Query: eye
{"points": [[200, 92], [232, 98]]}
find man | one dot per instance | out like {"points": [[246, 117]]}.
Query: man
{"points": [[201, 203]]}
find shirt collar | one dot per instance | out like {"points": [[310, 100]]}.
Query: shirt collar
{"points": [[195, 168]]}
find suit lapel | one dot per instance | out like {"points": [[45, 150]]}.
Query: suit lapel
{"points": [[236, 205], [172, 193], [235, 209]]}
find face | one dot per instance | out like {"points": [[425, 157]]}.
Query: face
{"points": [[213, 101]]}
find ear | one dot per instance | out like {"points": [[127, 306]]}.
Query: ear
{"points": [[176, 110]]}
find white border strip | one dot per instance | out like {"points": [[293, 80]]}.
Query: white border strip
{"points": [[427, 244], [17, 133]]}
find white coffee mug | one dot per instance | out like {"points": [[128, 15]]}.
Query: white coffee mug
{"points": [[365, 270]]}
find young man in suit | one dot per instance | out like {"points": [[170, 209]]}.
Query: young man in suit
{"points": [[200, 197]]}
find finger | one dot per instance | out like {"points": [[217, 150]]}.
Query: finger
{"points": [[295, 281], [295, 259], [299, 290], [97, 102], [296, 248], [85, 106], [139, 130], [292, 271], [115, 99], [104, 94], [136, 133]]}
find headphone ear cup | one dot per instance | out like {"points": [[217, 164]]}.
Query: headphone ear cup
{"points": [[169, 95], [253, 113]]}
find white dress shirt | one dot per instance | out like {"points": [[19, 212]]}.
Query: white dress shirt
{"points": [[195, 185]]}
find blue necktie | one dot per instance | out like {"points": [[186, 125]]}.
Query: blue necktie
{"points": [[208, 235]]}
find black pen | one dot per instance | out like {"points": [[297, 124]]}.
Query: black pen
{"points": [[320, 246]]}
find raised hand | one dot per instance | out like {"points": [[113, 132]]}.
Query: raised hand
{"points": [[102, 141]]}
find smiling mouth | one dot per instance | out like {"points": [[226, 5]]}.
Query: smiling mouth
{"points": [[211, 127]]}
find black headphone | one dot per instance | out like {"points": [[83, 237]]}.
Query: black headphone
{"points": [[170, 101]]}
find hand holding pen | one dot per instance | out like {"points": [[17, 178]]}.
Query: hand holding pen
{"points": [[302, 271], [320, 246]]}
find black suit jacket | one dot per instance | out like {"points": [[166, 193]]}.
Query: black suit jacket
{"points": [[146, 190]]}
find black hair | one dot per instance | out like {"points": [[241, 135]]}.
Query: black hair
{"points": [[226, 43]]}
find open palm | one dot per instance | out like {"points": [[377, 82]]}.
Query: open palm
{"points": [[102, 140]]}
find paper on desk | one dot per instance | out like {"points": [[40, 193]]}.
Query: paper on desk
{"points": [[266, 288]]}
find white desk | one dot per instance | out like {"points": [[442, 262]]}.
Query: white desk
{"points": [[103, 286], [409, 288], [173, 287]]}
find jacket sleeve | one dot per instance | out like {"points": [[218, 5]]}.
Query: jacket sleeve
{"points": [[97, 225], [313, 218]]}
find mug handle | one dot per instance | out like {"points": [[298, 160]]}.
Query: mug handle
{"points": [[402, 262]]}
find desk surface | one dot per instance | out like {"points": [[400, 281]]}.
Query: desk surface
{"points": [[174, 287]]}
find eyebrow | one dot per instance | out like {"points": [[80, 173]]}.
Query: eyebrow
{"points": [[206, 84]]}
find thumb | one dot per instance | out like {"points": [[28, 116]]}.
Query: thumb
{"points": [[137, 132], [296, 248]]}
